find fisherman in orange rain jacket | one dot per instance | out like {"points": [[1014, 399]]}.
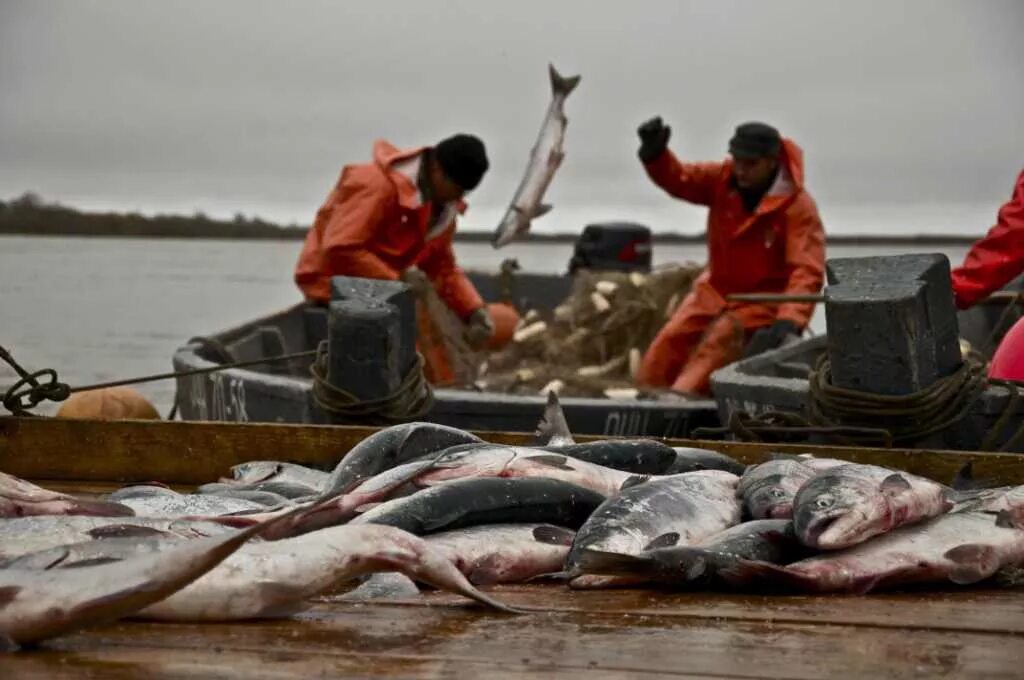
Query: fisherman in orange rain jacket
{"points": [[764, 236], [396, 212], [989, 265]]}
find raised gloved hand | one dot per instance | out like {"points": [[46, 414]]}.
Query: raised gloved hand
{"points": [[479, 328], [770, 337], [654, 136]]}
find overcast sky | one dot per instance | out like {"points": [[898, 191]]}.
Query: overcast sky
{"points": [[254, 106]]}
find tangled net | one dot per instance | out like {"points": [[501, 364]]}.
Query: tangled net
{"points": [[593, 341]]}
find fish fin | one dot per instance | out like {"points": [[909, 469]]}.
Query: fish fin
{"points": [[94, 508], [90, 562], [365, 507], [125, 531], [664, 541], [613, 563], [553, 429], [553, 535], [7, 644], [551, 460], [964, 477], [8, 595], [866, 585], [634, 480], [894, 484], [696, 569], [553, 576], [562, 85], [1006, 520], [280, 599], [542, 209], [973, 562]]}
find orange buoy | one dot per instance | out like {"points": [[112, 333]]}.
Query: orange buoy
{"points": [[109, 403], [505, 319]]}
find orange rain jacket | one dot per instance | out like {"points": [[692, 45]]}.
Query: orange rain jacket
{"points": [[779, 248], [997, 258], [374, 224]]}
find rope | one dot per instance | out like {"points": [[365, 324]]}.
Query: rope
{"points": [[854, 417], [28, 392], [411, 401]]}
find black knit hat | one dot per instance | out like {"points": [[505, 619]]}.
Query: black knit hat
{"points": [[463, 159], [755, 140]]}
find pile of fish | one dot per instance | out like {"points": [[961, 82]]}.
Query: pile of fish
{"points": [[591, 344], [421, 503]]}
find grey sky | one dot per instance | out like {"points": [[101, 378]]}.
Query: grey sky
{"points": [[254, 106]]}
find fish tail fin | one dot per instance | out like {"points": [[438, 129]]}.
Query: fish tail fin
{"points": [[614, 564], [99, 508], [554, 576], [562, 85], [553, 429]]}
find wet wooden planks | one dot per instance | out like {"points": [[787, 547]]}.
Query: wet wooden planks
{"points": [[610, 634]]}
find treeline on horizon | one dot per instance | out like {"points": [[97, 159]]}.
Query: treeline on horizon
{"points": [[30, 215]]}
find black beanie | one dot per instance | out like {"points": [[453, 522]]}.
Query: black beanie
{"points": [[463, 159], [755, 140]]}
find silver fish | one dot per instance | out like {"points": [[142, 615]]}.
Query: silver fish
{"points": [[666, 511], [188, 505], [848, 504], [275, 579], [24, 535], [96, 551], [707, 562], [36, 605], [505, 553], [257, 471], [963, 547], [19, 498], [514, 461], [768, 489], [393, 446], [545, 157]]}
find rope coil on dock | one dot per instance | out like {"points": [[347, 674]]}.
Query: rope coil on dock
{"points": [[412, 400]]}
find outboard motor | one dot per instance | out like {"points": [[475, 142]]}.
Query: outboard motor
{"points": [[613, 246]]}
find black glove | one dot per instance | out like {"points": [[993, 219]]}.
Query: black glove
{"points": [[654, 136], [479, 328], [770, 337]]}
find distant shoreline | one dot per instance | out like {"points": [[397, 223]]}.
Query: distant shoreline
{"points": [[30, 216]]}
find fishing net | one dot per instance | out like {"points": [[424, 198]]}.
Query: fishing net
{"points": [[592, 342]]}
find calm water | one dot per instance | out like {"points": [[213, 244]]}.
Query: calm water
{"points": [[103, 309]]}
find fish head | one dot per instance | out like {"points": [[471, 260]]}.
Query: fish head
{"points": [[835, 512], [255, 471], [772, 497]]}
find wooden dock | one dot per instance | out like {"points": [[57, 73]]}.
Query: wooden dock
{"points": [[944, 633]]}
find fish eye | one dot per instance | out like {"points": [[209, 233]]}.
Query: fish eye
{"points": [[777, 493], [824, 502]]}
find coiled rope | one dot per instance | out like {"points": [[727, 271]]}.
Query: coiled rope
{"points": [[412, 400]]}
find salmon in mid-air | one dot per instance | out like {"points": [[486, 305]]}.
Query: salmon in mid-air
{"points": [[545, 158]]}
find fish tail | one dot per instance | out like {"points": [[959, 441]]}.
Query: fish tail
{"points": [[562, 85], [553, 576], [615, 564], [96, 508]]}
